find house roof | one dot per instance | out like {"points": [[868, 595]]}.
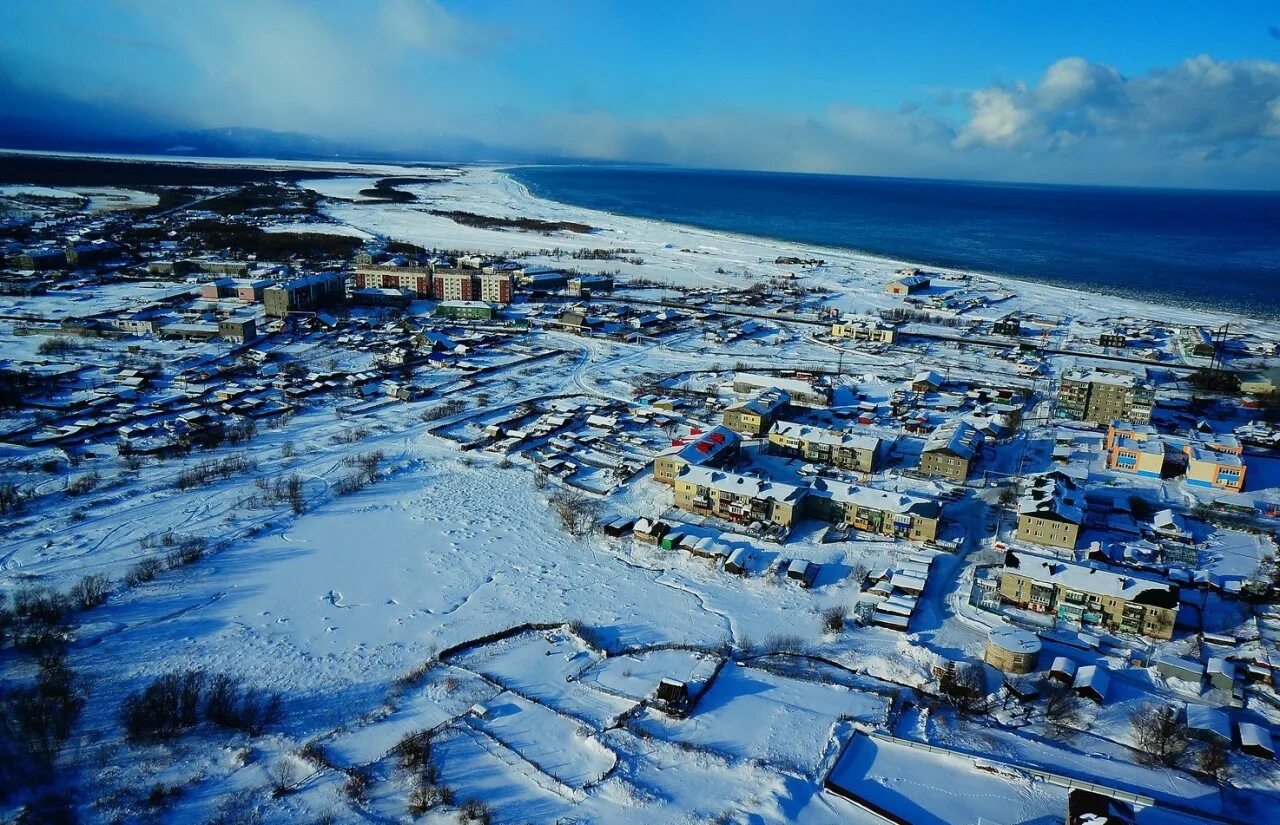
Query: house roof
{"points": [[706, 447], [1052, 495], [740, 485], [1091, 579], [882, 500], [822, 435], [957, 438]]}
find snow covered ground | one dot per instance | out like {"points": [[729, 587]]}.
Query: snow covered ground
{"points": [[345, 608]]}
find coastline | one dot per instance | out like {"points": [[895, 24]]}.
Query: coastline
{"points": [[1067, 300], [1227, 309]]}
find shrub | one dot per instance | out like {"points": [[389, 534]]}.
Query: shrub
{"points": [[82, 485], [90, 591], [188, 550], [357, 785], [283, 775], [426, 796], [473, 810], [228, 704], [165, 708], [36, 720], [413, 751], [144, 571], [833, 619]]}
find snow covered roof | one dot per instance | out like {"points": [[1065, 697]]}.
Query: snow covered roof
{"points": [[707, 446], [1254, 735], [765, 402], [1208, 718], [958, 438], [740, 485], [822, 435], [1015, 640], [791, 385], [1090, 579], [1052, 494], [1092, 677], [882, 500]]}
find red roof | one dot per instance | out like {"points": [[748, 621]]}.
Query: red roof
{"points": [[703, 447], [717, 437]]}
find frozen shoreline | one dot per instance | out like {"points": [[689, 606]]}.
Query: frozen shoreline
{"points": [[690, 256]]}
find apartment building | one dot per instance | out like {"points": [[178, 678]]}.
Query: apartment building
{"points": [[1138, 449], [1051, 512], [738, 498], [869, 330], [803, 393], [1102, 395], [756, 415], [449, 284], [412, 277], [1209, 467], [305, 294], [950, 450], [875, 511], [496, 287], [1090, 595], [718, 448], [848, 451]]}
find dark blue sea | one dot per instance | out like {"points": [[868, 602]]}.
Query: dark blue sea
{"points": [[1184, 247]]}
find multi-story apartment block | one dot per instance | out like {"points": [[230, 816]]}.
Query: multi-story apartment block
{"points": [[803, 393], [756, 415], [718, 448], [849, 451], [738, 498], [1102, 395], [450, 284], [871, 330], [1090, 595], [497, 287], [950, 450], [1208, 467], [305, 294], [1051, 512], [875, 511], [412, 277]]}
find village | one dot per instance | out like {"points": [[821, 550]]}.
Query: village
{"points": [[526, 504]]}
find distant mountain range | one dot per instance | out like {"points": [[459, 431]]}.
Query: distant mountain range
{"points": [[34, 134]]}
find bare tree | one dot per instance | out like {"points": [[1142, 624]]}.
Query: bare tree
{"points": [[578, 513], [963, 687], [1063, 710], [1159, 734], [90, 591], [283, 775], [1213, 761]]}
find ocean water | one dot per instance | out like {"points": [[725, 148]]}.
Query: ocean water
{"points": [[1183, 247]]}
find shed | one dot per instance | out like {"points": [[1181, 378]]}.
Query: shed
{"points": [[1063, 670], [1208, 723], [618, 527], [671, 540], [737, 561], [802, 571], [650, 532], [1091, 682], [1222, 674], [1256, 740], [1174, 667]]}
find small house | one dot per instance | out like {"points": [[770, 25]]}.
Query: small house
{"points": [[649, 531], [803, 572], [1092, 682], [1174, 667], [1063, 670], [672, 696], [1221, 673], [737, 561], [1255, 740], [1208, 724]]}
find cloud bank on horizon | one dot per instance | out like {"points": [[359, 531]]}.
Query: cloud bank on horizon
{"points": [[938, 92]]}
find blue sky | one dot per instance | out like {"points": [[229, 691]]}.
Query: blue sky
{"points": [[1166, 93]]}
